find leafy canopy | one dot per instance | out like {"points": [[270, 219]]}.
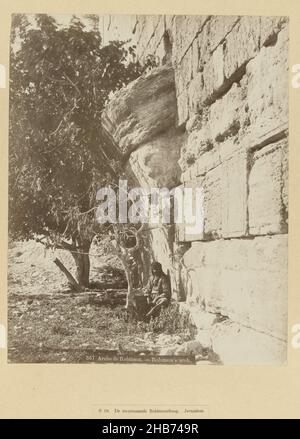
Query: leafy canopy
{"points": [[60, 80]]}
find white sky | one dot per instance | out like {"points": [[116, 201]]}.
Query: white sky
{"points": [[112, 27]]}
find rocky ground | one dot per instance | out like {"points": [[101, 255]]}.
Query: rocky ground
{"points": [[47, 322]]}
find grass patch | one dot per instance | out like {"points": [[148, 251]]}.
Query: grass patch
{"points": [[172, 321], [48, 329]]}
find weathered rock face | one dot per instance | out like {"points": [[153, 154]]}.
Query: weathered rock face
{"points": [[242, 279], [155, 163], [267, 200], [141, 118], [142, 110], [227, 92]]}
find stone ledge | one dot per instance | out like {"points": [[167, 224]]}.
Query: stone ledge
{"points": [[230, 276], [234, 343], [142, 109], [267, 182]]}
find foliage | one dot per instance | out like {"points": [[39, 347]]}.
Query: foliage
{"points": [[61, 78]]}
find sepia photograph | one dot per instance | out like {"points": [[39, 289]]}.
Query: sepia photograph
{"points": [[148, 189]]}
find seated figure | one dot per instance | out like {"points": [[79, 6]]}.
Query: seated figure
{"points": [[157, 290]]}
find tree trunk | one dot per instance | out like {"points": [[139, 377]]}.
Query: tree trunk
{"points": [[130, 290], [130, 295], [83, 270], [82, 260], [69, 276]]}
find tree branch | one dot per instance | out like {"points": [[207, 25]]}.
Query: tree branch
{"points": [[72, 83]]}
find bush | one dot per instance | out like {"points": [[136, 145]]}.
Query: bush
{"points": [[172, 321]]}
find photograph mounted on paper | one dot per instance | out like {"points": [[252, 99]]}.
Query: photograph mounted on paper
{"points": [[148, 189]]}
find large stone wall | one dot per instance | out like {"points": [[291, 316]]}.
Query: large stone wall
{"points": [[226, 78]]}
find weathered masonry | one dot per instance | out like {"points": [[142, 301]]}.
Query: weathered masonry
{"points": [[214, 112]]}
